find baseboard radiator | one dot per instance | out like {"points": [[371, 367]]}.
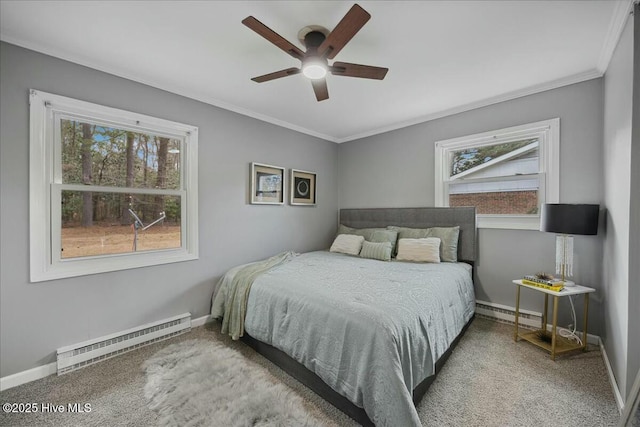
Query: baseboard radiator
{"points": [[506, 314], [74, 357]]}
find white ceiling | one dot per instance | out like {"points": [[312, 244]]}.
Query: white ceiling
{"points": [[443, 56]]}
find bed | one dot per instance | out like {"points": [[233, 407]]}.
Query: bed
{"points": [[366, 335]]}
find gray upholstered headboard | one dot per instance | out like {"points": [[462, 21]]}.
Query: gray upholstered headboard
{"points": [[465, 217]]}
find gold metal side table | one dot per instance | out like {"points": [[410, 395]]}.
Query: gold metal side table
{"points": [[558, 344]]}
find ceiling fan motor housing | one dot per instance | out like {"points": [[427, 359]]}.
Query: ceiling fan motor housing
{"points": [[313, 39]]}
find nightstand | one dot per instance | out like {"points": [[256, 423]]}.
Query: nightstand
{"points": [[558, 344]]}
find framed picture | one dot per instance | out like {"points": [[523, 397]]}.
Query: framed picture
{"points": [[303, 188], [267, 184]]}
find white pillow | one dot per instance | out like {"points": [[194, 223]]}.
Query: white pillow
{"points": [[420, 250], [347, 244]]}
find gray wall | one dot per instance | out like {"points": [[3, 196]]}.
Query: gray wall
{"points": [[396, 169], [37, 318], [617, 168]]}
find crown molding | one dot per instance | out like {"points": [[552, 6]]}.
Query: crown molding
{"points": [[61, 54], [554, 84], [619, 18]]}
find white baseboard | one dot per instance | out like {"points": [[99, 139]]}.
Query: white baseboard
{"points": [[201, 321], [43, 371], [612, 378], [27, 376]]}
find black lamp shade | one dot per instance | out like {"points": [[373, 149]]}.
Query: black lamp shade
{"points": [[570, 219]]}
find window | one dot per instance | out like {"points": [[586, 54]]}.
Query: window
{"points": [[506, 174], [109, 189]]}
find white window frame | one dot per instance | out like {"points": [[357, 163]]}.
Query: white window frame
{"points": [[45, 187], [548, 134]]}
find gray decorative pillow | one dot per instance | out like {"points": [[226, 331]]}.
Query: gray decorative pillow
{"points": [[380, 251], [408, 233], [447, 235], [449, 242], [375, 235]]}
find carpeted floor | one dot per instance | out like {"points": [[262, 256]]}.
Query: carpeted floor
{"points": [[488, 381]]}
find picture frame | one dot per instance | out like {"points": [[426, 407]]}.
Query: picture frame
{"points": [[267, 184], [303, 188]]}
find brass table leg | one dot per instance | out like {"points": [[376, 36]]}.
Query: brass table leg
{"points": [[553, 327], [515, 334], [586, 314], [544, 313]]}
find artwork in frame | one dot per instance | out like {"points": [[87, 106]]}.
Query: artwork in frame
{"points": [[303, 188], [267, 184]]}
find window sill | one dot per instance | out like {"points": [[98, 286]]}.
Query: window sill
{"points": [[104, 264], [509, 222]]}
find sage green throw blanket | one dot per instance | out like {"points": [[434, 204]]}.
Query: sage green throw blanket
{"points": [[230, 302]]}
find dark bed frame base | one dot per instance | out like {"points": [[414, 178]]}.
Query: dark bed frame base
{"points": [[311, 380]]}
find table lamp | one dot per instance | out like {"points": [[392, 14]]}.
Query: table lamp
{"points": [[567, 220]]}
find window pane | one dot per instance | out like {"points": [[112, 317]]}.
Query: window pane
{"points": [[97, 223], [101, 155], [506, 161], [514, 197]]}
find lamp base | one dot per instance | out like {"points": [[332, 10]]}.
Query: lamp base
{"points": [[569, 283]]}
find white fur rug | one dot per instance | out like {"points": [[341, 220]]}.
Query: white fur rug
{"points": [[203, 383]]}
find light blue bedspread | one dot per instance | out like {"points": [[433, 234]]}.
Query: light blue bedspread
{"points": [[371, 330]]}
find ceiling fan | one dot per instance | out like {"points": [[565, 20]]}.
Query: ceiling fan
{"points": [[320, 48]]}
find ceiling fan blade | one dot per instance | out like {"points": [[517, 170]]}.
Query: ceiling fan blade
{"points": [[273, 37], [276, 75], [356, 70], [320, 89], [344, 31]]}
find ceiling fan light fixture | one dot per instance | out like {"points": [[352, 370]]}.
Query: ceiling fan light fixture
{"points": [[314, 68]]}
